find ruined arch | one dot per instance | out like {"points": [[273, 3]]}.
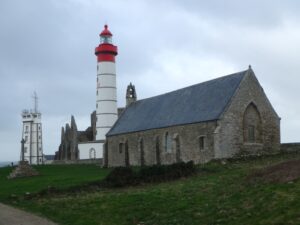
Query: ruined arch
{"points": [[252, 125]]}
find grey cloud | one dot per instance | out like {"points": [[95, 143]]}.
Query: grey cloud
{"points": [[48, 46]]}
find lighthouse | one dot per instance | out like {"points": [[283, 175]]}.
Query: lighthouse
{"points": [[106, 94]]}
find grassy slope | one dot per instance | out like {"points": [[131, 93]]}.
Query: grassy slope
{"points": [[220, 196]]}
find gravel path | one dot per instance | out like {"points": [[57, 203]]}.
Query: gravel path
{"points": [[13, 216]]}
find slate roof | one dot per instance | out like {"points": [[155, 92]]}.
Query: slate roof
{"points": [[198, 103]]}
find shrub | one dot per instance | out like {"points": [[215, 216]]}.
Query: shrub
{"points": [[119, 177], [124, 176]]}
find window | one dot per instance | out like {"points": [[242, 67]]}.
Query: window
{"points": [[39, 137], [120, 147], [251, 133], [97, 105], [26, 129], [39, 127], [26, 138], [25, 150], [201, 142], [168, 143]]}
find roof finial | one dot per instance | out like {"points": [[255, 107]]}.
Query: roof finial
{"points": [[250, 67]]}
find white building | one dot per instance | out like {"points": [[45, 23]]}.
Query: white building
{"points": [[32, 134]]}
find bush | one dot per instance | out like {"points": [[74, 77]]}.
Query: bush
{"points": [[125, 176], [119, 177]]}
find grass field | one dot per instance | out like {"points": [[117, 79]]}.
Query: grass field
{"points": [[219, 195], [61, 176]]}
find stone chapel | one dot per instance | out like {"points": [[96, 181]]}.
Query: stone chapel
{"points": [[227, 117]]}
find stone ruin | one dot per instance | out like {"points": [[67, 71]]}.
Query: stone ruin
{"points": [[23, 170]]}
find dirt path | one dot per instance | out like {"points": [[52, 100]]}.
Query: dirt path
{"points": [[13, 216]]}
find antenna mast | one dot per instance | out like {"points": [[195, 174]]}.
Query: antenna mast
{"points": [[35, 99]]}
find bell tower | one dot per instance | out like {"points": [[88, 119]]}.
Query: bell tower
{"points": [[106, 96], [130, 94]]}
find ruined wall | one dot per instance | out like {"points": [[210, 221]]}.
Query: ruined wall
{"points": [[290, 147]]}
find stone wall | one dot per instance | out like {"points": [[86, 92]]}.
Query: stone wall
{"points": [[83, 161], [188, 148], [230, 139], [290, 147]]}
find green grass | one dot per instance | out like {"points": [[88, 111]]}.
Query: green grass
{"points": [[221, 195], [60, 176]]}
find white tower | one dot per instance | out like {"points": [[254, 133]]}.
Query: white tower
{"points": [[32, 134], [106, 99]]}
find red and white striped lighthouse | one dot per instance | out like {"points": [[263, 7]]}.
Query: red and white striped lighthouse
{"points": [[106, 99]]}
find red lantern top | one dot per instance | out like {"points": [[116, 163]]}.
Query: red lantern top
{"points": [[105, 32], [106, 51]]}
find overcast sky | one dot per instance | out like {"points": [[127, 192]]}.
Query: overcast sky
{"points": [[48, 47]]}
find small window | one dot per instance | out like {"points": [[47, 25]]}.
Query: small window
{"points": [[39, 137], [97, 92], [201, 143], [120, 147], [26, 128], [26, 138], [168, 143], [97, 105], [25, 150], [39, 127], [40, 160], [251, 134]]}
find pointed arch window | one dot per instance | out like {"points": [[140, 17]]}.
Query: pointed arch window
{"points": [[92, 153], [252, 126]]}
